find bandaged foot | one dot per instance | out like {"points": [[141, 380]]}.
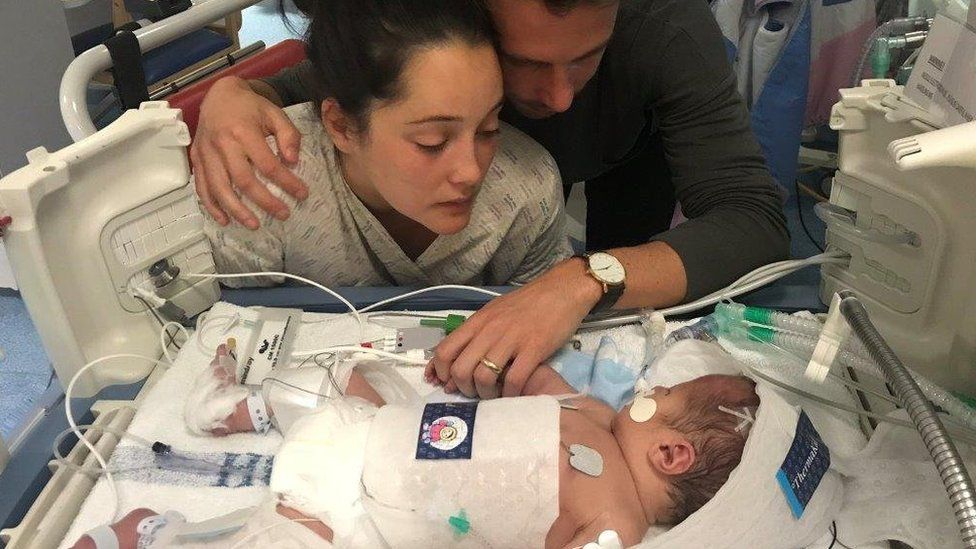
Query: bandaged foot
{"points": [[218, 405], [140, 529]]}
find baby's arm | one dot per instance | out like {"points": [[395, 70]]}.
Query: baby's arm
{"points": [[219, 382], [545, 381]]}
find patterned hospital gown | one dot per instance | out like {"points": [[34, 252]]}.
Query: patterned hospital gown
{"points": [[517, 228]]}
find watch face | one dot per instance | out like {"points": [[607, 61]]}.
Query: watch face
{"points": [[607, 268]]}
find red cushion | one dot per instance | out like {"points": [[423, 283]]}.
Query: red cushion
{"points": [[264, 63]]}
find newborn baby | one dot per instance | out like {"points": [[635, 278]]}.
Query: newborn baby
{"points": [[529, 471]]}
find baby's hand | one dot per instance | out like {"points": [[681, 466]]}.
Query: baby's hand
{"points": [[430, 375]]}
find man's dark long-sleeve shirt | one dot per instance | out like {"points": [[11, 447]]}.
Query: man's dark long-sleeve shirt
{"points": [[665, 72]]}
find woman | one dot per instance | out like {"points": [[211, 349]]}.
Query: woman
{"points": [[399, 152]]}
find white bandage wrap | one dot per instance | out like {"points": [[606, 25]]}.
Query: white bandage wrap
{"points": [[331, 455], [318, 468], [513, 464], [104, 537], [210, 402], [260, 417]]}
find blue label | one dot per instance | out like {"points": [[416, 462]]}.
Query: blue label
{"points": [[804, 467], [446, 430]]}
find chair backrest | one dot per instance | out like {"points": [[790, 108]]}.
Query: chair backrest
{"points": [[265, 63]]}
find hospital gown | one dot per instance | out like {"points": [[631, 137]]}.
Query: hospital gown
{"points": [[516, 230]]}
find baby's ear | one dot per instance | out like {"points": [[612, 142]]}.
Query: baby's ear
{"points": [[671, 454]]}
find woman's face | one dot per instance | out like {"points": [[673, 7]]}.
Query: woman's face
{"points": [[426, 154]]}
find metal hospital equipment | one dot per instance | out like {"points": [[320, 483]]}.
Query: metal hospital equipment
{"points": [[74, 107]]}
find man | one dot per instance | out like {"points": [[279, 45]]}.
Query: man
{"points": [[636, 98]]}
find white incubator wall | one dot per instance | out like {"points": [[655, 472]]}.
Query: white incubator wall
{"points": [[132, 183], [902, 206]]}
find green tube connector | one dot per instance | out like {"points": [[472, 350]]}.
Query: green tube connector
{"points": [[449, 324], [758, 315], [736, 320], [460, 523], [760, 333], [881, 58]]}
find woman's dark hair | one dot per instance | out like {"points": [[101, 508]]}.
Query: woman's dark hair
{"points": [[358, 48]]}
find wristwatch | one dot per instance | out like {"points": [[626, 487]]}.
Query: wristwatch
{"points": [[609, 272]]}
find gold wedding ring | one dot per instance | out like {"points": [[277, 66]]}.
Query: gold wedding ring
{"points": [[492, 366]]}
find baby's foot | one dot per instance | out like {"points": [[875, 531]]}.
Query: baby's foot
{"points": [[217, 404]]}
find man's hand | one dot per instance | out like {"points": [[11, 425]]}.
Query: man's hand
{"points": [[522, 329], [230, 144]]}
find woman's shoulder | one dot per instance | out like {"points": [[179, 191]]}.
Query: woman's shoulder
{"points": [[308, 123], [315, 165], [303, 115], [522, 170]]}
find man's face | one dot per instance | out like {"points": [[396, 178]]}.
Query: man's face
{"points": [[547, 58]]}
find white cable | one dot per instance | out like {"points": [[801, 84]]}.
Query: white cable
{"points": [[966, 435], [426, 290], [784, 266], [162, 337], [271, 527], [352, 308], [773, 267], [823, 258], [204, 325], [150, 297], [353, 349], [77, 432], [755, 279], [65, 462]]}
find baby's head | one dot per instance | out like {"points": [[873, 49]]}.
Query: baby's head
{"points": [[685, 452]]}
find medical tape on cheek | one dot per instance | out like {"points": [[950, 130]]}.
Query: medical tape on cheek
{"points": [[644, 406]]}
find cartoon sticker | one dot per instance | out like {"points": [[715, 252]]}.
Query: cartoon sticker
{"points": [[445, 430]]}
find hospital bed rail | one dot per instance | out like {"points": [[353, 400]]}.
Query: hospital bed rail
{"points": [[54, 510], [74, 83], [210, 68]]}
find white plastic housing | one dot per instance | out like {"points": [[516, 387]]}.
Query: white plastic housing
{"points": [[919, 293], [90, 219]]}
